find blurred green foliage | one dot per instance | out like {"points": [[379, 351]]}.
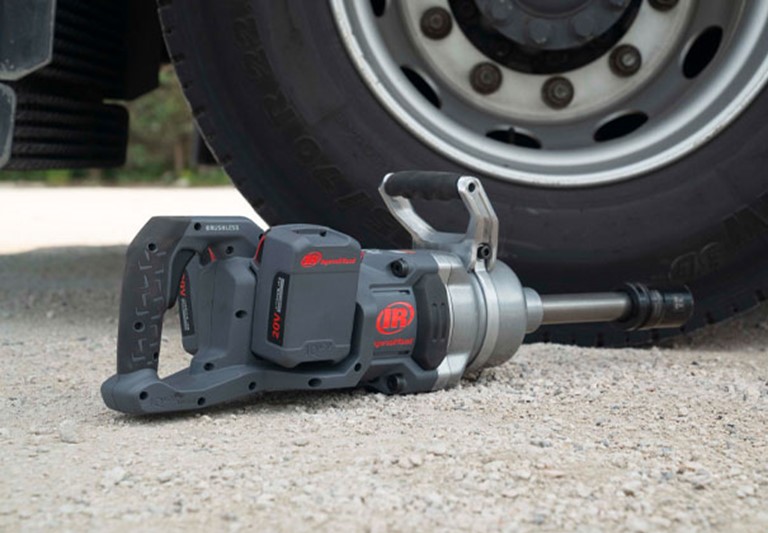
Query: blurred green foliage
{"points": [[160, 149]]}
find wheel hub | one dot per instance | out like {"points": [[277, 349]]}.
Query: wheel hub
{"points": [[545, 36], [565, 24], [514, 99], [552, 8]]}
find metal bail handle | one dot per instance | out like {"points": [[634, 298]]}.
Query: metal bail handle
{"points": [[480, 241]]}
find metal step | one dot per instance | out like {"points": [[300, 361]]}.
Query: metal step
{"points": [[60, 60]]}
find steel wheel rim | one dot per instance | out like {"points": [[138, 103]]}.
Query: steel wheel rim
{"points": [[687, 115]]}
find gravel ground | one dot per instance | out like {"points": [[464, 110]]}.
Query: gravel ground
{"points": [[560, 438]]}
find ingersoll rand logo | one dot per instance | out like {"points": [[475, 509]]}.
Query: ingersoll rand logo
{"points": [[394, 318], [313, 259]]}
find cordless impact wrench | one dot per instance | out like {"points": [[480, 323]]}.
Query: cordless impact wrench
{"points": [[303, 307]]}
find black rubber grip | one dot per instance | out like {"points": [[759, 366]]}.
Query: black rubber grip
{"points": [[155, 262], [427, 185]]}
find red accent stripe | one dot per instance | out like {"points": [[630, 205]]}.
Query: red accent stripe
{"points": [[257, 255], [213, 255]]}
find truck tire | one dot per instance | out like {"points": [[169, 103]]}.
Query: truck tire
{"points": [[654, 173]]}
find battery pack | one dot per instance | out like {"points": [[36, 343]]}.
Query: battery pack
{"points": [[306, 290]]}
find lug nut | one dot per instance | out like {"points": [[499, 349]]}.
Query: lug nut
{"points": [[499, 10], [486, 78], [625, 60], [663, 5], [436, 23], [584, 26], [539, 31], [558, 92]]}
